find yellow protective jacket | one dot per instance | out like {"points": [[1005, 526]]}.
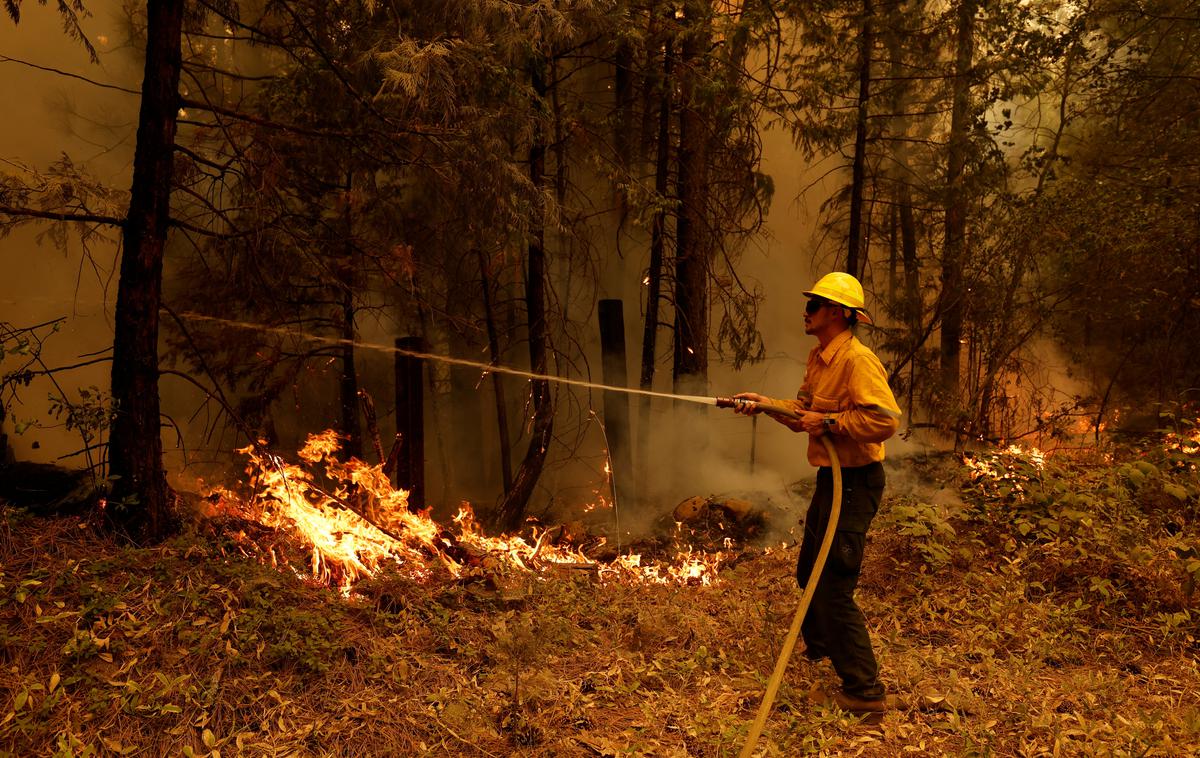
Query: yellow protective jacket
{"points": [[847, 382]]}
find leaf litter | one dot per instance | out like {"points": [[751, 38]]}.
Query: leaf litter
{"points": [[1051, 612]]}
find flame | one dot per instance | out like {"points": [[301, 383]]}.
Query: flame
{"points": [[352, 524], [600, 502], [1033, 455], [689, 568], [1188, 444], [998, 465], [1007, 472]]}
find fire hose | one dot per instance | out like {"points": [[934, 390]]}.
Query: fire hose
{"points": [[789, 642]]}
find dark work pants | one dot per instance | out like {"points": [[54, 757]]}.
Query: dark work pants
{"points": [[834, 625]]}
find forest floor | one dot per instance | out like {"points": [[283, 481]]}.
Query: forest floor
{"points": [[1020, 605]]}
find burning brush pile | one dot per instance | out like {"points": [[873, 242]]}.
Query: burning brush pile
{"points": [[1006, 472], [338, 522]]}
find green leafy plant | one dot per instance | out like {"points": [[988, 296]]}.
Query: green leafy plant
{"points": [[926, 526], [294, 638], [89, 416]]}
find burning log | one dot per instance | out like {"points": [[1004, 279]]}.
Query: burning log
{"points": [[389, 465], [368, 406]]}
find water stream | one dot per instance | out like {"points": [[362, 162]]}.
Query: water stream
{"points": [[485, 367]]}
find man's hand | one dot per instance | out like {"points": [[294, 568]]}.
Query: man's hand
{"points": [[751, 408], [813, 423]]}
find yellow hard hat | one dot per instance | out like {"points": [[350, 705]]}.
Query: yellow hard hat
{"points": [[843, 289]]}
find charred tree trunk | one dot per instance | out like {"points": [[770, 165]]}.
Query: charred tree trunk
{"points": [[954, 252], [350, 426], [493, 336], [692, 237], [623, 90], [512, 508], [654, 274], [658, 26], [616, 404], [410, 420], [855, 260], [139, 505]]}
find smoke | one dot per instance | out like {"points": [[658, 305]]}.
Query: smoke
{"points": [[42, 282], [694, 451], [715, 454]]}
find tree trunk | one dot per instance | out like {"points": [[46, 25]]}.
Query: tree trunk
{"points": [[3, 438], [410, 420], [693, 236], [908, 254], [654, 274], [910, 301], [512, 509], [463, 462], [493, 336], [623, 91], [893, 252], [658, 33], [139, 505], [616, 404], [954, 252], [855, 261], [350, 425]]}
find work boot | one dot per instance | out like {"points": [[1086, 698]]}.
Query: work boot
{"points": [[848, 703], [854, 704], [819, 696]]}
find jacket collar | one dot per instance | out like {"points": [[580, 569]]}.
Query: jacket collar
{"points": [[835, 345]]}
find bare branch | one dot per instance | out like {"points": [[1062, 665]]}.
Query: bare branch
{"points": [[60, 72], [86, 218]]}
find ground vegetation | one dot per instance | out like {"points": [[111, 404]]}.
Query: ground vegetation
{"points": [[1022, 604]]}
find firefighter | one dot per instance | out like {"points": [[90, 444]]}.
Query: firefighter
{"points": [[845, 395]]}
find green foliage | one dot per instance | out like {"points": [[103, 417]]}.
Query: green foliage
{"points": [[925, 526], [90, 415], [1107, 534], [306, 641]]}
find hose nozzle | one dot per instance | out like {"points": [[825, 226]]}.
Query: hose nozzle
{"points": [[733, 402], [738, 403]]}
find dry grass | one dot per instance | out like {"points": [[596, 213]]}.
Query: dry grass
{"points": [[190, 648]]}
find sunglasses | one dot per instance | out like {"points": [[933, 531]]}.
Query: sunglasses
{"points": [[814, 305]]}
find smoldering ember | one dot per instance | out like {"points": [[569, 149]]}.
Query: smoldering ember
{"points": [[600, 378]]}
